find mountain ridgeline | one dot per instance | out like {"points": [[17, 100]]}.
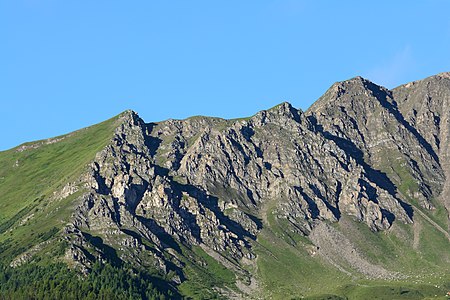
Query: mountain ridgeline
{"points": [[345, 200]]}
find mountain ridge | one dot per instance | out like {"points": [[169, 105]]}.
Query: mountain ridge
{"points": [[236, 200]]}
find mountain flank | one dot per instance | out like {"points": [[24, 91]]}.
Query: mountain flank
{"points": [[346, 199]]}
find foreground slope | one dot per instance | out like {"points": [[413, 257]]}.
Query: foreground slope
{"points": [[346, 197]]}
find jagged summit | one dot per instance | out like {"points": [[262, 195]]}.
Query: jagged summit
{"points": [[354, 89], [129, 111], [357, 80], [285, 105], [128, 115]]}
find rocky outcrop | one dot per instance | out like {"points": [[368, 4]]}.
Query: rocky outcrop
{"points": [[366, 122], [279, 155], [135, 211]]}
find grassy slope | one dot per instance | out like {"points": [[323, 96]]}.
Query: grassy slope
{"points": [[288, 271], [29, 178], [203, 277]]}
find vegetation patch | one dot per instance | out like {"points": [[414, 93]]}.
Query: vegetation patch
{"points": [[56, 281]]}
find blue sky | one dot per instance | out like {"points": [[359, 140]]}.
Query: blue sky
{"points": [[68, 64]]}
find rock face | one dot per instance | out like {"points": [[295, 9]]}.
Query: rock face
{"points": [[361, 151], [425, 105], [366, 121]]}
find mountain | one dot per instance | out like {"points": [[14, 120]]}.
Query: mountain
{"points": [[346, 200]]}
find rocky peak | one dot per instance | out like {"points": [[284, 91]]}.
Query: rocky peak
{"points": [[356, 93], [282, 114], [366, 121], [284, 109], [129, 116]]}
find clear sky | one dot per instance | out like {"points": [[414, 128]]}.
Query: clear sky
{"points": [[68, 64]]}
